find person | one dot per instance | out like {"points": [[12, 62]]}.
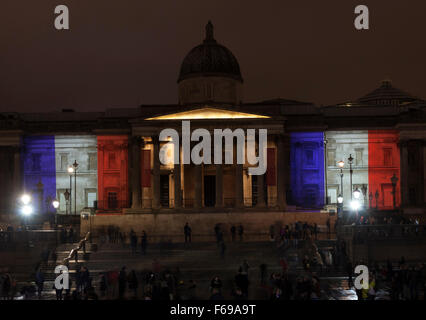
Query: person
{"points": [[144, 242], [245, 267], [122, 281], [216, 284], [240, 232], [103, 285], [71, 235], [6, 286], [133, 240], [242, 282], [328, 228], [39, 282], [271, 232], [59, 291], [315, 231], [133, 283], [222, 249], [233, 232], [187, 231], [112, 282]]}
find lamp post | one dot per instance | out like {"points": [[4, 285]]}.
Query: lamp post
{"points": [[339, 206], [394, 181], [350, 159], [40, 187], [341, 164], [67, 200], [370, 197], [364, 193], [376, 195], [55, 204], [70, 172], [355, 203], [75, 166]]}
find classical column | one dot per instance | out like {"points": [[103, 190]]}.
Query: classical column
{"points": [[404, 173], [135, 172], [17, 182], [156, 173], [176, 175], [219, 186], [280, 172], [198, 189]]}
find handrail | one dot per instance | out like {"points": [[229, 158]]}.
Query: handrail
{"points": [[74, 251]]}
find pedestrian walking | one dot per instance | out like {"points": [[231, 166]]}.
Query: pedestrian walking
{"points": [[240, 232], [233, 232], [144, 242], [39, 282], [187, 231], [222, 249], [122, 282]]}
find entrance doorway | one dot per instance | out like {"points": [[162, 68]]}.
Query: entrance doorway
{"points": [[164, 190], [255, 191], [209, 191]]}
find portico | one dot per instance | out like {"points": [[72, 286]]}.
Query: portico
{"points": [[205, 186]]}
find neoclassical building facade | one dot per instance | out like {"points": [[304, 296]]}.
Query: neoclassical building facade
{"points": [[119, 170]]}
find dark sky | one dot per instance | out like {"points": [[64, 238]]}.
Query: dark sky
{"points": [[126, 52]]}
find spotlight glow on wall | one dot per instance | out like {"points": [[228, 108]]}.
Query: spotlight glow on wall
{"points": [[26, 199], [27, 210], [355, 205]]}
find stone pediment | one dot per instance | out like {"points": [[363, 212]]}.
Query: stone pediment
{"points": [[208, 113]]}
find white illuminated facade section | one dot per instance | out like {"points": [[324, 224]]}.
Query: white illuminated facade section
{"points": [[83, 149], [208, 113]]}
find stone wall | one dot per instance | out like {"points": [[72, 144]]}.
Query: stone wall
{"points": [[170, 225]]}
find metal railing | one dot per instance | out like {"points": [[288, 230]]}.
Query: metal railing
{"points": [[377, 232], [74, 251]]}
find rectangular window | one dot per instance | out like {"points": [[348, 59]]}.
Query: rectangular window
{"points": [[309, 157], [387, 157], [112, 200], [64, 161], [111, 161], [91, 198], [93, 161], [331, 158], [36, 161], [358, 157]]}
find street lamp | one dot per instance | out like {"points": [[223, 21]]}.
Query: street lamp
{"points": [[25, 199], [55, 204], [357, 194], [339, 205], [394, 181], [370, 197], [341, 164], [75, 166], [350, 159], [376, 195], [67, 200], [70, 172]]}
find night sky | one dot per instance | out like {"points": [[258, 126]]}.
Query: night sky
{"points": [[128, 52]]}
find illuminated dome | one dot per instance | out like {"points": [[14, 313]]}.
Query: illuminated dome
{"points": [[210, 59]]}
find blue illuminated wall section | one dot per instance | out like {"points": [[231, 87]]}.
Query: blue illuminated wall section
{"points": [[38, 160], [307, 169]]}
